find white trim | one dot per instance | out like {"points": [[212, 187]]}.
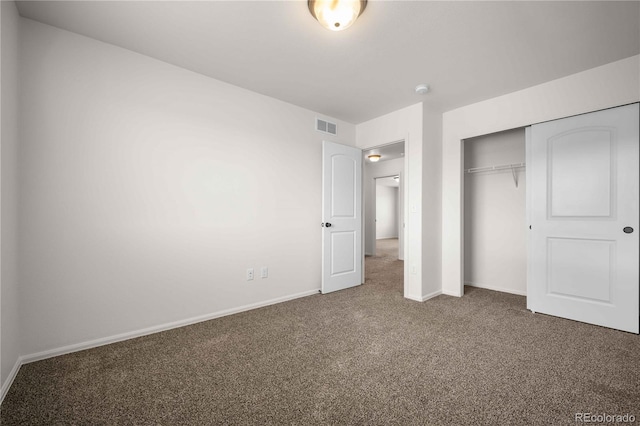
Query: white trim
{"points": [[156, 329], [12, 375], [494, 288], [425, 297], [451, 293], [529, 203], [431, 295]]}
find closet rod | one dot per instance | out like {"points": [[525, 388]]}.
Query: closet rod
{"points": [[492, 168], [511, 167]]}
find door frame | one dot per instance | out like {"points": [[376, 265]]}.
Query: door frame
{"points": [[405, 207]]}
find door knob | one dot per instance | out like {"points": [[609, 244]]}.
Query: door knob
{"points": [[327, 225], [627, 230]]}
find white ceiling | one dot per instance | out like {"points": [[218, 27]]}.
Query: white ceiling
{"points": [[466, 51]]}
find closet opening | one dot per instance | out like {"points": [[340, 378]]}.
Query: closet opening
{"points": [[495, 228]]}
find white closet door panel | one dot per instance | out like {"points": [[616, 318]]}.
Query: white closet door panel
{"points": [[583, 202]]}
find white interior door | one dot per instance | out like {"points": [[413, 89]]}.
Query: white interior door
{"points": [[341, 217], [583, 211]]}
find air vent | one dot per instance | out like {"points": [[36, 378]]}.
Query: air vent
{"points": [[326, 127]]}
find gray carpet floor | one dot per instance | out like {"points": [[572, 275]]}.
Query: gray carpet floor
{"points": [[363, 356]]}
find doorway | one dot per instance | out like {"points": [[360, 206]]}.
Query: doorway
{"points": [[387, 216], [384, 203]]}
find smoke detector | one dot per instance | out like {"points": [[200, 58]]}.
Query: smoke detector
{"points": [[421, 89]]}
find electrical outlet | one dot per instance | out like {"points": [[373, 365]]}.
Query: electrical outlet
{"points": [[249, 274], [264, 272]]}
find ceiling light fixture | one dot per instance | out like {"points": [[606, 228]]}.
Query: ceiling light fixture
{"points": [[421, 89], [374, 157], [336, 15]]}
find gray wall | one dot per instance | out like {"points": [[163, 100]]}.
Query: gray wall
{"points": [[9, 297]]}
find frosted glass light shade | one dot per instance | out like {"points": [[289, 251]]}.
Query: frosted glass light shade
{"points": [[374, 157], [336, 15]]}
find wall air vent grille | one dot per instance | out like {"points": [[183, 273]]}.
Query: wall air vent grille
{"points": [[326, 127]]}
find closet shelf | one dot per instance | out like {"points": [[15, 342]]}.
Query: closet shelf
{"points": [[511, 167], [495, 168]]}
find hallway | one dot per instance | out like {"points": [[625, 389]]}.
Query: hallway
{"points": [[384, 269]]}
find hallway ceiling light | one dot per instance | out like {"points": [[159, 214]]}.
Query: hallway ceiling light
{"points": [[336, 15], [374, 157]]}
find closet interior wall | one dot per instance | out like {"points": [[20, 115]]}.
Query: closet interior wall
{"points": [[495, 229]]}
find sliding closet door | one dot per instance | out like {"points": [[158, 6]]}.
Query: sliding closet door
{"points": [[583, 211]]}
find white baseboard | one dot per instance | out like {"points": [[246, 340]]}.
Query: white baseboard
{"points": [[431, 295], [494, 288], [25, 359], [12, 375], [425, 297], [156, 329], [449, 293], [412, 297]]}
